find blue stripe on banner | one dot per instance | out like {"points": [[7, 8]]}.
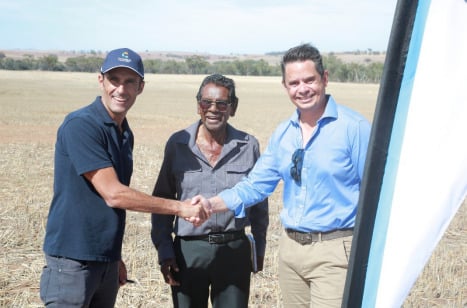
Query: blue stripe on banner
{"points": [[397, 136]]}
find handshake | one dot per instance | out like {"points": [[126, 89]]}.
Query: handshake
{"points": [[197, 210]]}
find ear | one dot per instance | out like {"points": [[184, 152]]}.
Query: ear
{"points": [[100, 80], [325, 78], [233, 109], [198, 109], [141, 87]]}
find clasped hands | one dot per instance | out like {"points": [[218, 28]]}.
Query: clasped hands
{"points": [[197, 210]]}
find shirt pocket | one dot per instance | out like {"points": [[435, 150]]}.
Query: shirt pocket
{"points": [[188, 182], [235, 173]]}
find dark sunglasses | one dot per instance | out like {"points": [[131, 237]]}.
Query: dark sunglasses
{"points": [[220, 105], [297, 163]]}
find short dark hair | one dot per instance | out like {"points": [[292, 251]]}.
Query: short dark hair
{"points": [[220, 80], [302, 53]]}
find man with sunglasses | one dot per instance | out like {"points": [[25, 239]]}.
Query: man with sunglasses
{"points": [[206, 158], [319, 154]]}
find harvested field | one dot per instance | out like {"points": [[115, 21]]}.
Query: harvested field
{"points": [[33, 104]]}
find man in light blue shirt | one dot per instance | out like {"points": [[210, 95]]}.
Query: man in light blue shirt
{"points": [[319, 154]]}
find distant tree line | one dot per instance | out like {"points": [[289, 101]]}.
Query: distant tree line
{"points": [[339, 71]]}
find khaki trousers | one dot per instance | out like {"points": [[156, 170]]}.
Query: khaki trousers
{"points": [[313, 275]]}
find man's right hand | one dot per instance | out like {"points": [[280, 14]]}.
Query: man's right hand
{"points": [[204, 203], [197, 213], [168, 268]]}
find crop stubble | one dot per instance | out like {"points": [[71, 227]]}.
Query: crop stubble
{"points": [[33, 104]]}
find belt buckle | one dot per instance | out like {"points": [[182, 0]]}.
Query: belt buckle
{"points": [[304, 238], [215, 238]]}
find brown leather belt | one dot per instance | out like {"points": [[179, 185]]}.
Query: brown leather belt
{"points": [[216, 238], [305, 238]]}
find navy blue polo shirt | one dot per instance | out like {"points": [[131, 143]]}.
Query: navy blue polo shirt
{"points": [[80, 224]]}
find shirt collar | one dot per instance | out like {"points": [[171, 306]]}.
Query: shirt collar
{"points": [[98, 104], [233, 135]]}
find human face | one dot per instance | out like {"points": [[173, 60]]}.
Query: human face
{"points": [[212, 118], [305, 86], [120, 87]]}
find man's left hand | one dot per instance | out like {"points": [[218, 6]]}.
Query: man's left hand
{"points": [[122, 274]]}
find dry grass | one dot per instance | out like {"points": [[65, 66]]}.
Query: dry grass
{"points": [[33, 105]]}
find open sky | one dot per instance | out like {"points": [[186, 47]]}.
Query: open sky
{"points": [[215, 27]]}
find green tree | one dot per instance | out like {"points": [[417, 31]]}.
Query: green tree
{"points": [[375, 72], [83, 64], [50, 63], [197, 65]]}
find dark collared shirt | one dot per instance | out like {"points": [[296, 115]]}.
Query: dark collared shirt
{"points": [[80, 224], [185, 172]]}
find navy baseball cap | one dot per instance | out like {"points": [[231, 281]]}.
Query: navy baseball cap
{"points": [[123, 57]]}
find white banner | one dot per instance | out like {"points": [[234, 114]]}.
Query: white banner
{"points": [[425, 178]]}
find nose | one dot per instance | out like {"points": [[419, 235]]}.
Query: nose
{"points": [[213, 106], [120, 88], [303, 87]]}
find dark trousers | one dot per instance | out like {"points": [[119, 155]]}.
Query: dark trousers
{"points": [[72, 283], [224, 269]]}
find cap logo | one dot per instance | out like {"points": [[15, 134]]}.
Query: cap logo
{"points": [[124, 57]]}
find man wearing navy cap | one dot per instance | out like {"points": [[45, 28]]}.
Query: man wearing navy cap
{"points": [[93, 167]]}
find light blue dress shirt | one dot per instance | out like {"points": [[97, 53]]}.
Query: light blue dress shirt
{"points": [[332, 171]]}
